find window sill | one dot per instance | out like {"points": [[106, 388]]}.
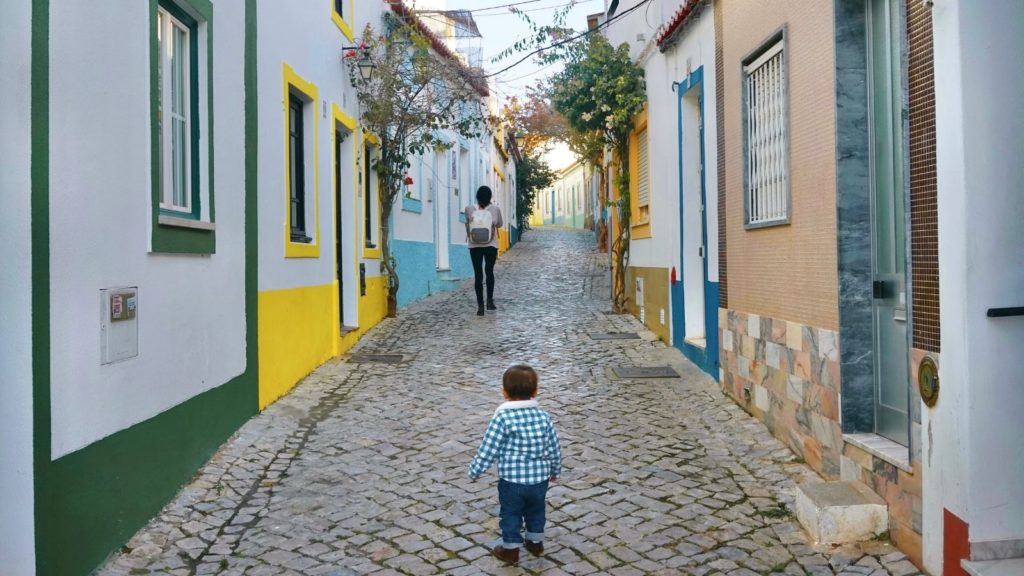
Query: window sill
{"points": [[772, 224], [185, 223], [883, 449], [372, 252], [414, 205]]}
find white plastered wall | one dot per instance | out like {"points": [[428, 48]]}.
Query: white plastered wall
{"points": [[974, 458], [17, 543], [419, 226], [696, 47], [307, 39], [191, 311]]}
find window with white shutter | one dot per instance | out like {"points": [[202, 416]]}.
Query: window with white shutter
{"points": [[643, 177], [640, 176]]}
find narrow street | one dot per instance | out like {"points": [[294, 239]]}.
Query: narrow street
{"points": [[362, 468]]}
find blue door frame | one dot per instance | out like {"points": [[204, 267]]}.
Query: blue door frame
{"points": [[707, 358]]}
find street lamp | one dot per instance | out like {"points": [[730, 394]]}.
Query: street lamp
{"points": [[361, 54]]}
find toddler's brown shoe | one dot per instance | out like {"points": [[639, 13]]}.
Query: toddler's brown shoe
{"points": [[535, 548], [507, 555]]}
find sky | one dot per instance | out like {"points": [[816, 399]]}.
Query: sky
{"points": [[501, 28]]}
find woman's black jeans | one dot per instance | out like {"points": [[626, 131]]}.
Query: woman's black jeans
{"points": [[483, 261]]}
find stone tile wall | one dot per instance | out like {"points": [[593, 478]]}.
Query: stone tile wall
{"points": [[899, 487], [787, 375]]}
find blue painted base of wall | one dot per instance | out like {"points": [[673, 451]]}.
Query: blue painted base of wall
{"points": [[417, 268], [705, 358]]}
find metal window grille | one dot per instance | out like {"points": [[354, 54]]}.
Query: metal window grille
{"points": [[767, 164], [643, 179]]}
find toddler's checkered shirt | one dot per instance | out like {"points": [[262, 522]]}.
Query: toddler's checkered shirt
{"points": [[524, 442]]}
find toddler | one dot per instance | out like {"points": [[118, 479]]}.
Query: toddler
{"points": [[522, 438]]}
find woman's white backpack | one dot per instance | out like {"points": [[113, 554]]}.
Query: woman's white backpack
{"points": [[481, 226]]}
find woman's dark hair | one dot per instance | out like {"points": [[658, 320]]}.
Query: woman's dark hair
{"points": [[520, 382], [483, 196]]}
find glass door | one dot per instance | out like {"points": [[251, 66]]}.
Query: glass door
{"points": [[888, 222]]}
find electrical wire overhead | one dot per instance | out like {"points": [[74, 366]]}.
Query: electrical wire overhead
{"points": [[600, 26]]}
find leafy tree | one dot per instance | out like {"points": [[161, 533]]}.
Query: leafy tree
{"points": [[532, 175], [600, 91], [534, 120], [419, 90]]}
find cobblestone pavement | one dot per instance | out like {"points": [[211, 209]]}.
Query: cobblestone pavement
{"points": [[362, 469]]}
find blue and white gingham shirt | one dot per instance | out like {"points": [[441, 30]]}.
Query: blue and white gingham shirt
{"points": [[522, 438]]}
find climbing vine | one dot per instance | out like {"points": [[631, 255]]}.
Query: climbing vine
{"points": [[599, 91]]}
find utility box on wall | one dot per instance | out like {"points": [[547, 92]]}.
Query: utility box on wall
{"points": [[119, 324]]}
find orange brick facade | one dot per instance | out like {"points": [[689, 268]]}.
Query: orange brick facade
{"points": [[788, 271]]}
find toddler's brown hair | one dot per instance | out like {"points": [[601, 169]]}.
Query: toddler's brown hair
{"points": [[520, 382]]}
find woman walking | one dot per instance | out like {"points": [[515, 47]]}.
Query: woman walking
{"points": [[482, 222]]}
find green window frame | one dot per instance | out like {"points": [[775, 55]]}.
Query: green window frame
{"points": [[182, 185]]}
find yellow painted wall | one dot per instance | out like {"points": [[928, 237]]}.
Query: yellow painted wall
{"points": [[536, 218], [296, 334], [656, 299], [503, 241], [372, 309]]}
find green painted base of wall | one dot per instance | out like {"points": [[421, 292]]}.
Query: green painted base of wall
{"points": [[93, 500]]}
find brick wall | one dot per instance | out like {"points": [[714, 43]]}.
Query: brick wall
{"points": [[924, 244], [723, 267], [787, 272]]}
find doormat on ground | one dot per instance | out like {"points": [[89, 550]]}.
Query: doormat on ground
{"points": [[645, 372], [381, 358], [614, 336]]}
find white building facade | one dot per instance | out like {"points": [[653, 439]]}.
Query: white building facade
{"points": [[673, 260]]}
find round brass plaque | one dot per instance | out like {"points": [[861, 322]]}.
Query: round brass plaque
{"points": [[928, 381]]}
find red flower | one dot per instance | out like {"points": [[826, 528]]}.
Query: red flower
{"points": [[351, 54], [407, 180]]}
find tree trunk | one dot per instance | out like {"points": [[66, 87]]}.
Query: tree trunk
{"points": [[386, 262], [620, 247]]}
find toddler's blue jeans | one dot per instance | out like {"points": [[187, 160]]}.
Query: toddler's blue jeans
{"points": [[521, 504]]}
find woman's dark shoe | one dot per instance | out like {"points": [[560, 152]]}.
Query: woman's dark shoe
{"points": [[480, 310], [506, 555], [535, 548], [491, 306]]}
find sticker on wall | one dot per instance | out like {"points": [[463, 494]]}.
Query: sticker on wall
{"points": [[119, 326]]}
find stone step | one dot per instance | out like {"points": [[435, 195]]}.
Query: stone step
{"points": [[1008, 567], [840, 512]]}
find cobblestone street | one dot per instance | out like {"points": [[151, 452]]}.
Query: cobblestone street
{"points": [[362, 468]]}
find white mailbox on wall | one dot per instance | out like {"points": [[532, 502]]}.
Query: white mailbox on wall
{"points": [[119, 324]]}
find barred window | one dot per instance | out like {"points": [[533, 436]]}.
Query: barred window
{"points": [[765, 135]]}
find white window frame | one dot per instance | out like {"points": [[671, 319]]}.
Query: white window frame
{"points": [[765, 128], [166, 26]]}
